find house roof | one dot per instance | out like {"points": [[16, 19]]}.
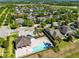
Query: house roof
{"points": [[76, 24], [63, 29], [22, 41], [5, 31], [19, 20], [58, 34], [55, 33]]}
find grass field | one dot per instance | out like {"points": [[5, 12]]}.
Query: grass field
{"points": [[75, 55], [3, 12], [9, 50], [1, 52], [64, 44]]}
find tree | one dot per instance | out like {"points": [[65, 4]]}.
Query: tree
{"points": [[1, 41], [14, 25], [25, 16], [56, 49], [69, 38], [8, 18], [5, 44], [50, 20], [28, 22], [43, 24], [56, 13]]}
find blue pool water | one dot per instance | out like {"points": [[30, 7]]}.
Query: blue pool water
{"points": [[40, 47]]}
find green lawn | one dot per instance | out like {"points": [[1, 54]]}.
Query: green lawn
{"points": [[1, 9], [4, 11], [1, 51], [9, 50], [75, 55], [64, 44]]}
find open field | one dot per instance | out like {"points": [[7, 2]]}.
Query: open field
{"points": [[64, 44], [73, 55], [1, 51]]}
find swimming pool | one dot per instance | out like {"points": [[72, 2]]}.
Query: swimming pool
{"points": [[40, 47]]}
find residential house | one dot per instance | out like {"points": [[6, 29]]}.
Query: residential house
{"points": [[5, 31], [76, 24], [55, 24], [24, 31], [63, 29], [22, 41], [20, 21], [56, 33], [25, 45]]}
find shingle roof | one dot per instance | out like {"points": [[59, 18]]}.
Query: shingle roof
{"points": [[22, 41], [63, 29]]}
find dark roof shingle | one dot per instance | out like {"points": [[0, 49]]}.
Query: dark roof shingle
{"points": [[22, 41]]}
